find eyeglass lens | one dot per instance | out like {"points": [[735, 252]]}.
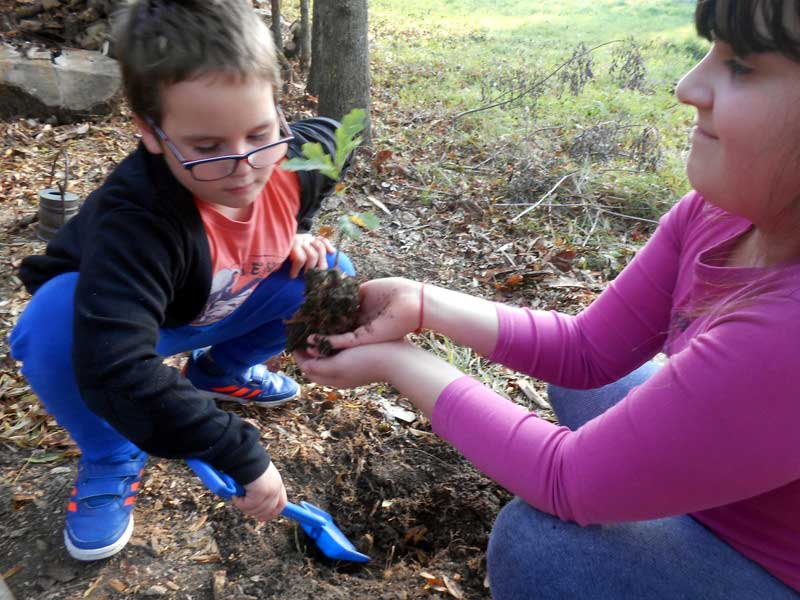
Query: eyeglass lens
{"points": [[219, 169]]}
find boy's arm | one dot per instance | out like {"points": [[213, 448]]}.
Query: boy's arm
{"points": [[126, 281], [314, 186]]}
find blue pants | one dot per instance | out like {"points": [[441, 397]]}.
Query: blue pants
{"points": [[536, 555], [42, 341]]}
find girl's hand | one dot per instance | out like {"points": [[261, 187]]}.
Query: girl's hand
{"points": [[390, 309], [309, 252], [417, 374], [265, 497], [354, 367]]}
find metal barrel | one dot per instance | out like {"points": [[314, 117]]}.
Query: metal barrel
{"points": [[55, 209]]}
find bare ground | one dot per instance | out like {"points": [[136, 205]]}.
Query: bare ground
{"points": [[399, 493]]}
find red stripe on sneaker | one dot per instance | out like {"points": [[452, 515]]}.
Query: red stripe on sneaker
{"points": [[130, 500], [252, 394], [240, 392], [225, 390], [72, 507], [135, 486]]}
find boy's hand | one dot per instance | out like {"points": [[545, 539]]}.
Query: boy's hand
{"points": [[265, 497], [309, 252]]}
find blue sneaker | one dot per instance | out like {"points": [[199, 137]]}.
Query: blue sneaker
{"points": [[99, 512], [258, 385]]}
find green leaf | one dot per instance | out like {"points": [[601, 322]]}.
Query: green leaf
{"points": [[316, 159], [352, 124], [348, 228], [368, 220]]}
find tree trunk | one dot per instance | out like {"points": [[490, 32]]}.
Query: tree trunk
{"points": [[343, 80], [276, 24], [312, 84], [305, 36]]}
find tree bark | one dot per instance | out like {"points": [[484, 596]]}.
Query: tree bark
{"points": [[275, 5], [312, 83], [305, 36], [343, 79]]}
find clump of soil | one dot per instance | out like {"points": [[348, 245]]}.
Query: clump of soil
{"points": [[330, 307]]}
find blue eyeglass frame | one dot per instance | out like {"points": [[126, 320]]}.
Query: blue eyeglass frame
{"points": [[190, 164]]}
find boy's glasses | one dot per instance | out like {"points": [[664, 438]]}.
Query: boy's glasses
{"points": [[220, 167]]}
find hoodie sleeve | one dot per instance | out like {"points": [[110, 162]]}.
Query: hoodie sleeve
{"points": [[127, 278]]}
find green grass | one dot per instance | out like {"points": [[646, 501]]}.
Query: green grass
{"points": [[435, 58]]}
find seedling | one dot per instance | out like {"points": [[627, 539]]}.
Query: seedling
{"points": [[331, 304]]}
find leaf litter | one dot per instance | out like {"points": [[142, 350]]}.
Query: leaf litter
{"points": [[398, 492]]}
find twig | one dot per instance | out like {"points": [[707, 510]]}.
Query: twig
{"points": [[535, 85], [543, 198], [592, 228], [578, 205], [624, 216]]}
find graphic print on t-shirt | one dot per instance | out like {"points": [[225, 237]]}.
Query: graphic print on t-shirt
{"points": [[244, 253], [230, 288]]}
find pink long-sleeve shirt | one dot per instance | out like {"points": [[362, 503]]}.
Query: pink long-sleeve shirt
{"points": [[714, 433]]}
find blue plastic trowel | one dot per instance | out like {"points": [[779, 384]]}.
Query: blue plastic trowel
{"points": [[317, 524]]}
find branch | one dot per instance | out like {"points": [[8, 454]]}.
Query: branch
{"points": [[535, 85], [543, 198]]}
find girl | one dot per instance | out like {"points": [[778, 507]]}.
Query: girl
{"points": [[674, 482]]}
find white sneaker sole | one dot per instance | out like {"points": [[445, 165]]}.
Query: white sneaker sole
{"points": [[99, 553]]}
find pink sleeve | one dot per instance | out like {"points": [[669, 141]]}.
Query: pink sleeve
{"points": [[684, 441], [715, 425], [622, 329]]}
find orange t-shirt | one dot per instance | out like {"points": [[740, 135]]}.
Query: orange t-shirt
{"points": [[244, 253]]}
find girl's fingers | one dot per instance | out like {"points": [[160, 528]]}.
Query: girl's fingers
{"points": [[339, 341]]}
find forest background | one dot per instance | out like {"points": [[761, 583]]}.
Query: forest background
{"points": [[521, 151]]}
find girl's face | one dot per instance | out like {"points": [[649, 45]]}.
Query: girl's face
{"points": [[745, 155]]}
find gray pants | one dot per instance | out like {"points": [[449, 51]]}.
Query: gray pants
{"points": [[533, 555]]}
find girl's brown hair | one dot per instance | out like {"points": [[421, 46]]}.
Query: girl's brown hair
{"points": [[752, 26]]}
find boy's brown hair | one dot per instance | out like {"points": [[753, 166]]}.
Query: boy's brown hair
{"points": [[163, 42]]}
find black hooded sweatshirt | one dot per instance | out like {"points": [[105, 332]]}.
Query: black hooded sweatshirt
{"points": [[141, 251]]}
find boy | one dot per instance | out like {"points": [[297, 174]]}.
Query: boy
{"points": [[194, 241]]}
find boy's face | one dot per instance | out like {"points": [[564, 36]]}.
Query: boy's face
{"points": [[211, 116]]}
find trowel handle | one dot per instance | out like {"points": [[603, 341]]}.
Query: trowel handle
{"points": [[303, 515], [223, 485]]}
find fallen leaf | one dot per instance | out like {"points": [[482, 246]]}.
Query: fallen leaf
{"points": [[12, 571], [415, 534], [199, 523], [380, 158], [453, 588], [514, 280]]}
